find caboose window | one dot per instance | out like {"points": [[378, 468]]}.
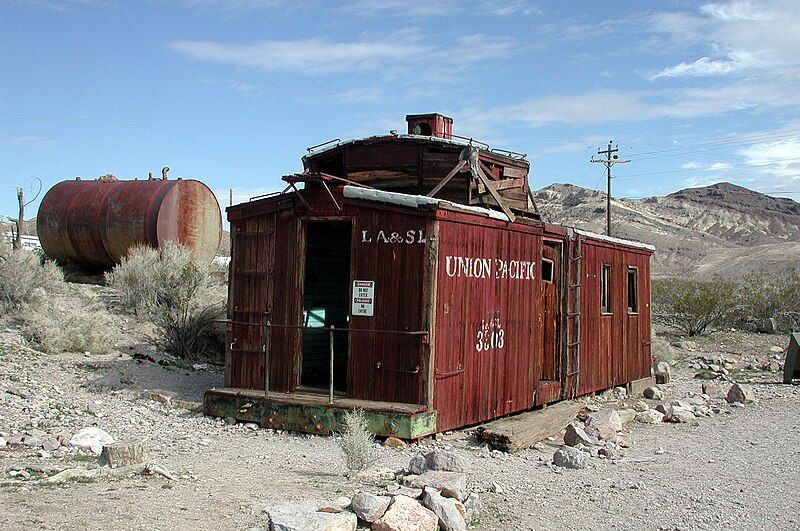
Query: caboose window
{"points": [[547, 270], [605, 289], [633, 291]]}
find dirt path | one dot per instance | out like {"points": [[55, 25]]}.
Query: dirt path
{"points": [[737, 469]]}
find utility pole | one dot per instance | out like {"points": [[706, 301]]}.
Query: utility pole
{"points": [[609, 161]]}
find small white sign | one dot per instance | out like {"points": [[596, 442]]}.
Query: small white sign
{"points": [[363, 298]]}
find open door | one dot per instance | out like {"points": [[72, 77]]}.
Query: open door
{"points": [[326, 297]]}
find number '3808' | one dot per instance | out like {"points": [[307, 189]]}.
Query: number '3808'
{"points": [[490, 335]]}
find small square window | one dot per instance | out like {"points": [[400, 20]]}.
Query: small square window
{"points": [[633, 290], [605, 289]]}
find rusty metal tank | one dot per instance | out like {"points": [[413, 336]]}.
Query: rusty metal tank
{"points": [[94, 223]]}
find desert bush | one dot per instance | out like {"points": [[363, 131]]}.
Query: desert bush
{"points": [[181, 296], [69, 324], [767, 294], [357, 442], [25, 278], [695, 307], [661, 349]]}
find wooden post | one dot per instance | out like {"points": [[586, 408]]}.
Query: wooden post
{"points": [[267, 339], [17, 241], [330, 379]]}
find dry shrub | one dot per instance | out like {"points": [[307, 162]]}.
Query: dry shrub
{"points": [[181, 296], [26, 279], [695, 307], [662, 350], [770, 293], [70, 324], [357, 442]]}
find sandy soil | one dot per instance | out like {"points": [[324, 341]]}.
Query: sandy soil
{"points": [[737, 469]]}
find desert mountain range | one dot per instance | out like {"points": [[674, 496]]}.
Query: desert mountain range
{"points": [[719, 229]]}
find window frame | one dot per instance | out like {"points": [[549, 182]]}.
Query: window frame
{"points": [[606, 306], [632, 310]]}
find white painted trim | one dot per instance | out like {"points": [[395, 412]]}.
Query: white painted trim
{"points": [[611, 239], [416, 201]]}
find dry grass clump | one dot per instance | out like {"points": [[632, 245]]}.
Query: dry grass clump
{"points": [[357, 442], [181, 296], [26, 279], [70, 324]]}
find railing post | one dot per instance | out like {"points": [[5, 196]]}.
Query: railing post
{"points": [[265, 349], [330, 379]]}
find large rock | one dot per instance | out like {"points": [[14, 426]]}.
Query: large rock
{"points": [[474, 507], [607, 415], [369, 507], [406, 514], [602, 429], [92, 439], [653, 393], [576, 435], [680, 415], [451, 513], [711, 389], [626, 415], [742, 394], [125, 453], [305, 517], [452, 484], [651, 416], [568, 457], [437, 460]]}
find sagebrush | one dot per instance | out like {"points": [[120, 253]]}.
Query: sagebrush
{"points": [[357, 442], [181, 296], [25, 278], [70, 324]]}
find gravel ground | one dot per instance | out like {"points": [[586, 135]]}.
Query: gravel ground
{"points": [[736, 469]]}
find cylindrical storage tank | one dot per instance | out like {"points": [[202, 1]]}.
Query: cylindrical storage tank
{"points": [[94, 223]]}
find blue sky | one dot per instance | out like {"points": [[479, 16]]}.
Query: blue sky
{"points": [[232, 92]]}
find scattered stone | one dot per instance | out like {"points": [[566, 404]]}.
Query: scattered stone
{"points": [[411, 492], [660, 451], [568, 457], [609, 452], [50, 444], [776, 349], [497, 489], [626, 415], [377, 475], [370, 507], [305, 517], [92, 439], [473, 506], [394, 442], [33, 442], [451, 517], [711, 389], [624, 440], [406, 514], [741, 394], [437, 460], [609, 415], [452, 484], [639, 406], [679, 415], [661, 371], [576, 435], [3, 442], [125, 453], [685, 345], [651, 416], [602, 429], [230, 421], [16, 391], [653, 393]]}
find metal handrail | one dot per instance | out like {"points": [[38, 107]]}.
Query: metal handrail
{"points": [[331, 329], [312, 148]]}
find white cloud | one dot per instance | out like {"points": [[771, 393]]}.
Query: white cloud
{"points": [[405, 8], [743, 37], [702, 67], [309, 56], [780, 158], [393, 56]]}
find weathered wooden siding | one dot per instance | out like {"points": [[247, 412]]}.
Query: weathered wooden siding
{"points": [[488, 325], [615, 347]]}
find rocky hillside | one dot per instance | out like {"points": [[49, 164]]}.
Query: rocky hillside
{"points": [[722, 228]]}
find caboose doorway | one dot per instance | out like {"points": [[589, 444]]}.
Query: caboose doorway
{"points": [[326, 294]]}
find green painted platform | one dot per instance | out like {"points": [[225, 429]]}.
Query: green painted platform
{"points": [[311, 413]]}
